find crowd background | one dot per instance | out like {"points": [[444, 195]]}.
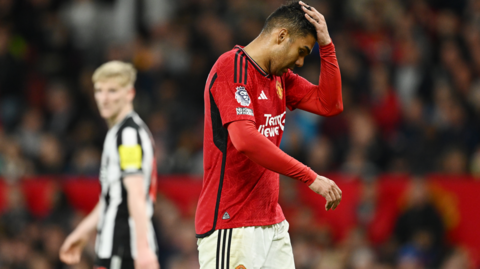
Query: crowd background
{"points": [[411, 90]]}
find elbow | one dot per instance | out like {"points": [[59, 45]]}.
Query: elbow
{"points": [[335, 111], [242, 148], [240, 145]]}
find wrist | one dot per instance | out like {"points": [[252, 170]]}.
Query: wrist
{"points": [[310, 177], [326, 45], [324, 42]]}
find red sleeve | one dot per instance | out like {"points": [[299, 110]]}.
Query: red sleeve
{"points": [[324, 99], [247, 140], [231, 97]]}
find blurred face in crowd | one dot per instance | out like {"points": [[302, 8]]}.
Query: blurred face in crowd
{"points": [[289, 51], [113, 100]]}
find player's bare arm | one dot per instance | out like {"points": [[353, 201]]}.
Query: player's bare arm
{"points": [[318, 20], [71, 250], [146, 258]]}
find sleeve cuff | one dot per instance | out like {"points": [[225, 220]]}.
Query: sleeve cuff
{"points": [[310, 176], [327, 48]]}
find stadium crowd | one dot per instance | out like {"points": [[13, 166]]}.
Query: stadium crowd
{"points": [[411, 94]]}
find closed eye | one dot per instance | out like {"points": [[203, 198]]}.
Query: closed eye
{"points": [[302, 52]]}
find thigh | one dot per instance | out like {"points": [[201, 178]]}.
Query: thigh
{"points": [[237, 248], [115, 262], [280, 254]]}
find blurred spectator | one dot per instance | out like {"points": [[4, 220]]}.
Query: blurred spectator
{"points": [[321, 158], [385, 103], [454, 161], [13, 165], [29, 133], [419, 230], [86, 162], [16, 217], [61, 111], [52, 157]]}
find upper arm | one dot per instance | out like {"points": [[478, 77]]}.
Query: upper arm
{"points": [[130, 151], [240, 132], [232, 93], [134, 186]]}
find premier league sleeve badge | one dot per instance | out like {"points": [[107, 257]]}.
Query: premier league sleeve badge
{"points": [[241, 95]]}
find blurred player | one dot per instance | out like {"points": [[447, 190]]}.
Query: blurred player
{"points": [[122, 217], [239, 222]]}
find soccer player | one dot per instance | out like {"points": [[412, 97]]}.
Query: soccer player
{"points": [[122, 217], [239, 222]]}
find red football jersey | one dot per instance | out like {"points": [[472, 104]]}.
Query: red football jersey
{"points": [[236, 191]]}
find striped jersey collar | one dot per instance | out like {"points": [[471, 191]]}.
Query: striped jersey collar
{"points": [[265, 74], [129, 115]]}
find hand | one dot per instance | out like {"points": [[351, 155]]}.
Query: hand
{"points": [[146, 259], [329, 190], [71, 250], [318, 20]]}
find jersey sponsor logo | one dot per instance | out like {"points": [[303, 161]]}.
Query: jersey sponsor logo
{"points": [[279, 90], [262, 96], [130, 156], [273, 125], [226, 216], [241, 95], [244, 111], [241, 266]]}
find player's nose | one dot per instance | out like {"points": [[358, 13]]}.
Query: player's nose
{"points": [[299, 62]]}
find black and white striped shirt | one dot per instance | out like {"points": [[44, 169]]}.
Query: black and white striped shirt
{"points": [[127, 150]]}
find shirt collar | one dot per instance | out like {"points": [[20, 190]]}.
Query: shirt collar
{"points": [[259, 69]]}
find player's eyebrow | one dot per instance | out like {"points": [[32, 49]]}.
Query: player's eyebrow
{"points": [[308, 49]]}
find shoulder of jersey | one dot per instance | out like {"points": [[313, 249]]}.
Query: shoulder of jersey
{"points": [[234, 64], [130, 122]]}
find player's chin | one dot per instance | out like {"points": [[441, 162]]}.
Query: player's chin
{"points": [[105, 113]]}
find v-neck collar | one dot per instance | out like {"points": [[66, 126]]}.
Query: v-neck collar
{"points": [[257, 66]]}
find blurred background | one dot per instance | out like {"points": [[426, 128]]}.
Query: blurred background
{"points": [[405, 151]]}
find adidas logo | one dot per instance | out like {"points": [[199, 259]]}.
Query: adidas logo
{"points": [[262, 96], [226, 216]]}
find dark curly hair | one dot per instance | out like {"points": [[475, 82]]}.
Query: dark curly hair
{"points": [[292, 17]]}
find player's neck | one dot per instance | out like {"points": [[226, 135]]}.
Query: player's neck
{"points": [[256, 50], [119, 117]]}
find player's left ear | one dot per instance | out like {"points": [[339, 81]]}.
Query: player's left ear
{"points": [[282, 36], [131, 93]]}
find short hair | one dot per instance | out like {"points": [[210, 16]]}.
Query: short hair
{"points": [[292, 17], [124, 72]]}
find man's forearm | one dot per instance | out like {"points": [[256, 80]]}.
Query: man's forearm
{"points": [[89, 223], [247, 140], [138, 209]]}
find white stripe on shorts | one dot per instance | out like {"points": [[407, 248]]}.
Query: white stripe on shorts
{"points": [[223, 249]]}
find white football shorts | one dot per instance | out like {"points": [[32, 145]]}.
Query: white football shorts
{"points": [[255, 247]]}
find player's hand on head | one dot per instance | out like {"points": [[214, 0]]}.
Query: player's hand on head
{"points": [[146, 259], [329, 190], [318, 20], [71, 249]]}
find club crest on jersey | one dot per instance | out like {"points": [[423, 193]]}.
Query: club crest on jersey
{"points": [[279, 90], [241, 95]]}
